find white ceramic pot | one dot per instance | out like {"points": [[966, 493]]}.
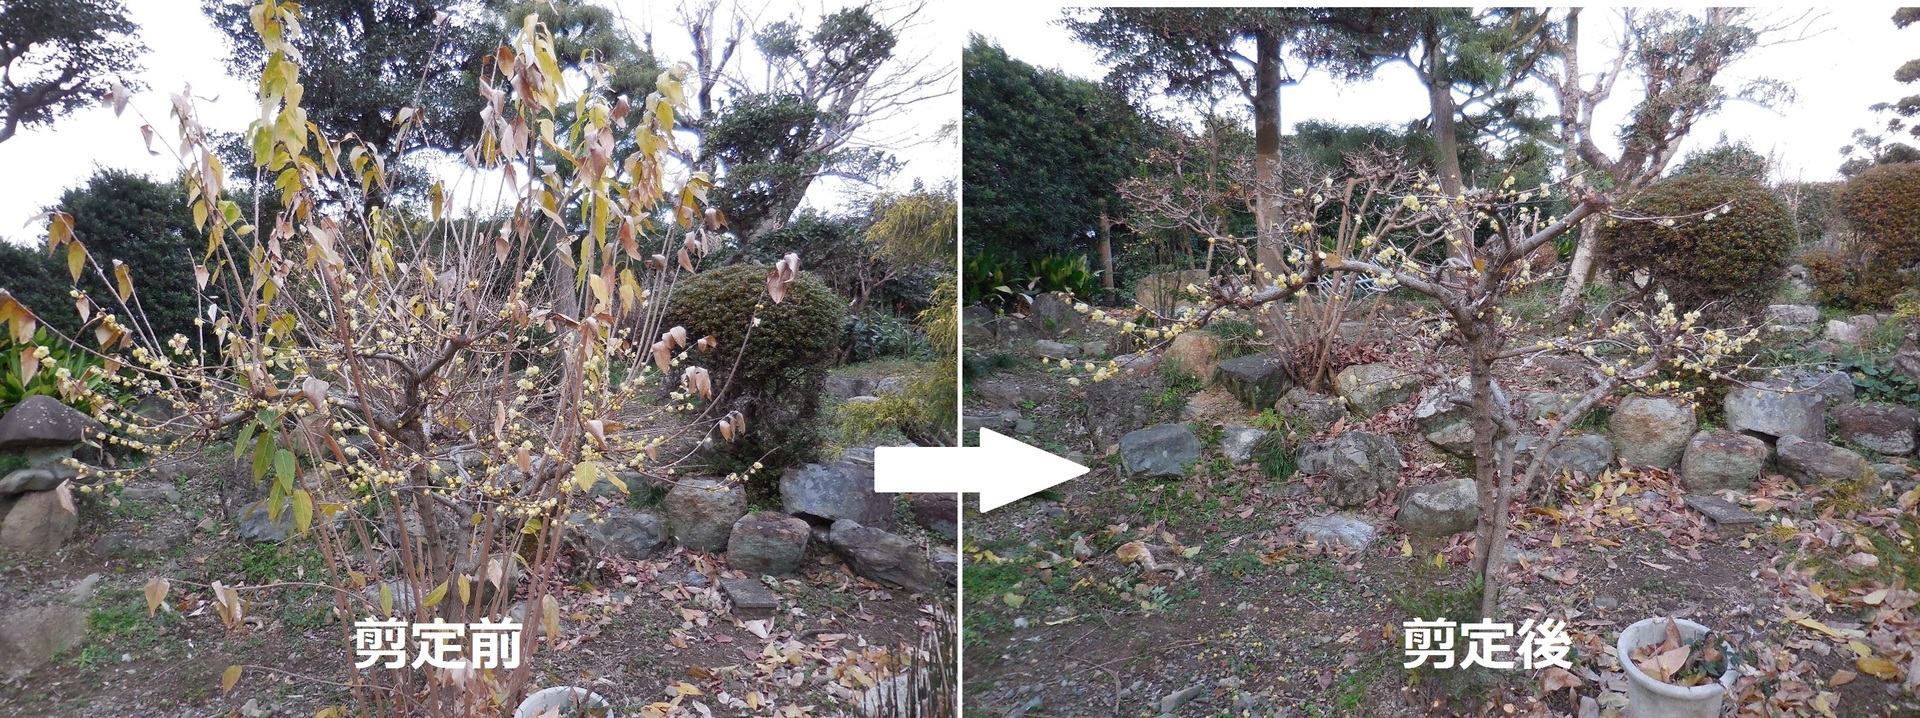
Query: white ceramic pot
{"points": [[566, 698], [1648, 698]]}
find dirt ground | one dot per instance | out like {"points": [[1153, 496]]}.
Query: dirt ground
{"points": [[1241, 616]]}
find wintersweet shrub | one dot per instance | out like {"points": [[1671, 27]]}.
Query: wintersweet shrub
{"points": [[789, 346], [1733, 258]]}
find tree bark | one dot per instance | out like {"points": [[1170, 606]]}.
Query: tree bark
{"points": [[1579, 271], [1266, 144], [1106, 251]]}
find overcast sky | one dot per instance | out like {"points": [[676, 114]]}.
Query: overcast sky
{"points": [[185, 49], [1845, 65]]}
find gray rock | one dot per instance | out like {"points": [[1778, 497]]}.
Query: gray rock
{"points": [[1345, 530], [1053, 316], [1445, 415], [1836, 386], [1587, 454], [1196, 352], [767, 543], [937, 513], [946, 563], [1358, 466], [1882, 429], [1722, 512], [1049, 349], [891, 384], [846, 387], [1257, 380], [38, 524], [1853, 330], [1548, 404], [998, 394], [1774, 412], [1441, 509], [998, 421], [626, 533], [1722, 459], [1810, 462], [1793, 314], [1164, 450], [839, 490], [1651, 431], [701, 512], [1096, 349], [1891, 472], [1173, 701], [153, 493], [257, 523], [1237, 442], [41, 420], [31, 637], [884, 557], [37, 478], [1369, 388], [751, 598], [1315, 412]]}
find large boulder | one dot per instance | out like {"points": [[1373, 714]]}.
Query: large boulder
{"points": [[1722, 459], [1257, 380], [825, 493], [701, 512], [1836, 386], [1853, 330], [38, 524], [37, 478], [40, 420], [1053, 316], [1883, 429], [767, 543], [1164, 450], [625, 532], [1369, 388], [1773, 412], [846, 387], [1197, 352], [1651, 431], [31, 637], [1359, 466], [1813, 462], [1441, 509], [1237, 442], [1586, 454], [884, 557]]}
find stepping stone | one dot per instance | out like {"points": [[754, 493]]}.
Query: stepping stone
{"points": [[1723, 513], [751, 598]]}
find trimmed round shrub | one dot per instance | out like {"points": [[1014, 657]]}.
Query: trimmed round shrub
{"points": [[1733, 261], [777, 380], [1882, 207]]}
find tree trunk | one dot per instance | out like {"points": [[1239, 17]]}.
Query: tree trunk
{"points": [[1106, 251], [1446, 136], [1579, 271], [1266, 146], [1486, 474]]}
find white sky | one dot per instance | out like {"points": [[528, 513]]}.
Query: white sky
{"points": [[1845, 66], [184, 48]]}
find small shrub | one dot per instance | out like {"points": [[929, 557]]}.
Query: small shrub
{"points": [[1847, 279], [1238, 338], [777, 379], [1882, 206], [1735, 259], [880, 335]]}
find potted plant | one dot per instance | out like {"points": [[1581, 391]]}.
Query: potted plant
{"points": [[563, 702], [1675, 669]]}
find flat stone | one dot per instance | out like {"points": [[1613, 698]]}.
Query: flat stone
{"points": [[41, 420], [1049, 349], [1793, 314], [1164, 450], [37, 478], [1003, 420], [751, 598], [884, 557], [825, 493], [1345, 530], [1836, 386], [997, 394], [1257, 380], [1773, 412], [1723, 513]]}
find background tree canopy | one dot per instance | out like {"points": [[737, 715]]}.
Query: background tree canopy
{"points": [[57, 56]]}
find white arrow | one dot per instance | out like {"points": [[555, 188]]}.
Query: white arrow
{"points": [[1001, 469]]}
